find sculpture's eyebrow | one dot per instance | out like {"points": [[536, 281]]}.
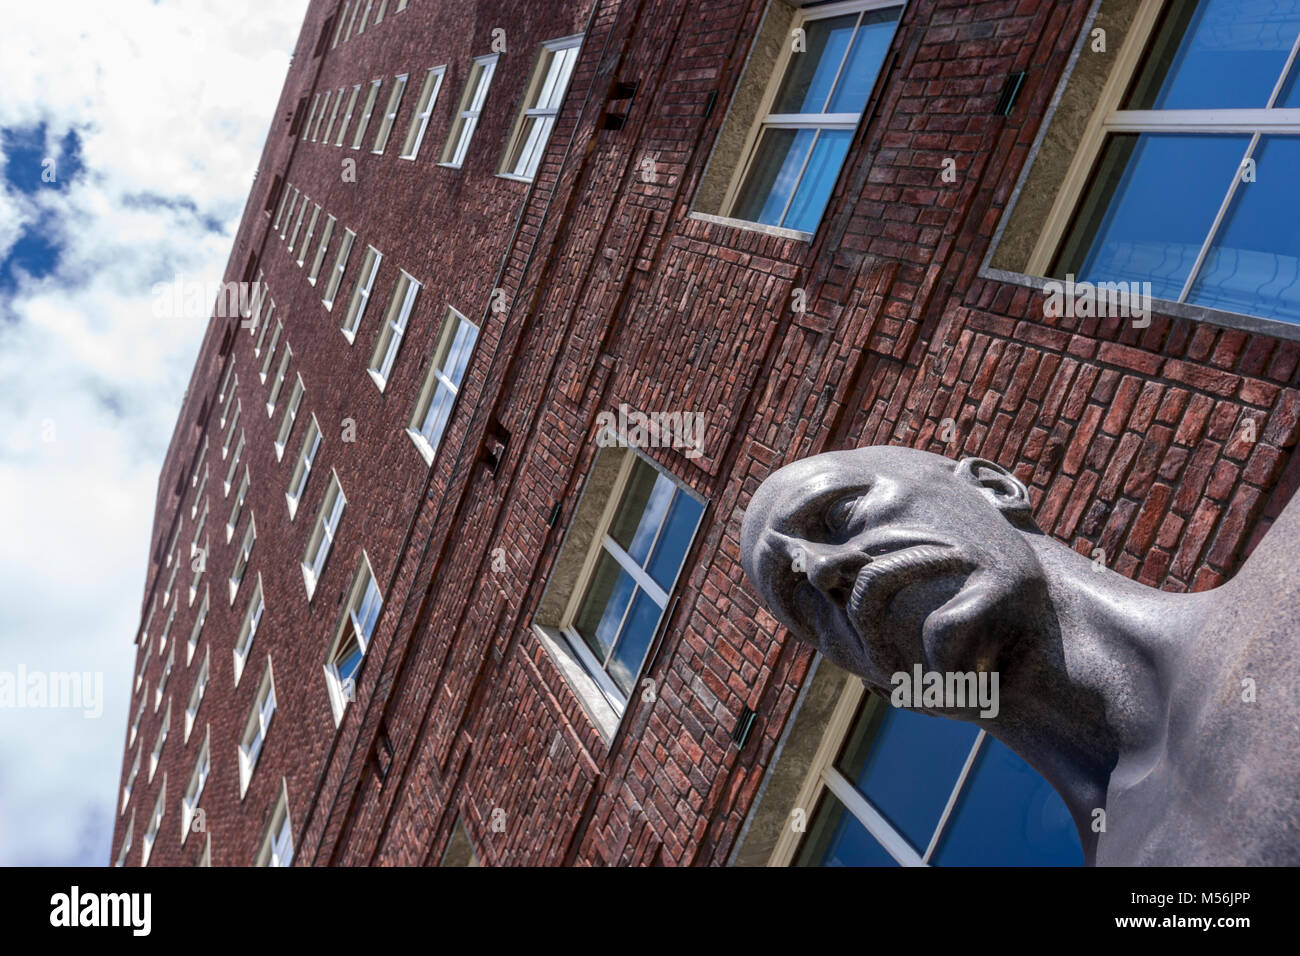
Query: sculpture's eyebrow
{"points": [[818, 501]]}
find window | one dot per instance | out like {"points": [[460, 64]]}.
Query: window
{"points": [[390, 113], [126, 841], [169, 593], [1181, 176], [469, 110], [293, 204], [237, 509], [338, 32], [248, 629], [320, 117], [277, 844], [162, 640], [279, 213], [390, 336], [130, 780], [196, 693], [255, 729], [361, 292], [241, 559], [255, 309], [198, 495], [347, 119], [205, 858], [234, 462], [266, 327], [323, 248], [306, 130], [891, 786], [423, 110], [230, 369], [171, 544], [160, 741], [297, 225], [365, 14], [270, 351], [356, 7], [542, 101], [612, 583], [230, 400], [196, 632], [199, 526], [365, 114], [145, 655], [155, 824], [198, 461], [322, 535], [230, 431], [340, 263], [338, 102], [302, 470], [780, 172], [194, 789], [290, 413], [278, 382], [352, 637], [135, 721], [311, 231], [379, 11], [162, 681], [437, 398]]}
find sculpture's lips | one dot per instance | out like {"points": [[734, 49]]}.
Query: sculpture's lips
{"points": [[888, 574]]}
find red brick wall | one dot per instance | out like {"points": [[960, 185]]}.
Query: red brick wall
{"points": [[1130, 440]]}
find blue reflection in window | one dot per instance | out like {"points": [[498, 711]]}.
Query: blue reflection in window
{"points": [[1008, 815], [818, 180], [848, 844], [675, 538]]}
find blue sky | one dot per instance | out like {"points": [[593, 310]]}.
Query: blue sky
{"points": [[129, 133]]}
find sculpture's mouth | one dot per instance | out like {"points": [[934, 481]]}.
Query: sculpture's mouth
{"points": [[879, 581]]}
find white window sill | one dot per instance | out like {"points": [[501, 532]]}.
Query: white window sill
{"points": [[451, 165], [270, 410], [279, 450], [230, 532], [422, 445], [378, 379], [745, 224], [293, 506], [234, 589], [590, 696], [329, 305], [310, 581], [515, 178], [350, 336]]}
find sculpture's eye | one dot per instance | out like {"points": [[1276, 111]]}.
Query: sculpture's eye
{"points": [[840, 514]]}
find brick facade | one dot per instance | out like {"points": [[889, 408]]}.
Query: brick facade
{"points": [[1132, 441]]}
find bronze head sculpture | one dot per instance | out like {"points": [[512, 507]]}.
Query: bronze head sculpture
{"points": [[1168, 723]]}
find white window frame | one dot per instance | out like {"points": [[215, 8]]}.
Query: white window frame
{"points": [[130, 780], [234, 462], [256, 728], [347, 119], [237, 509], [197, 691], [277, 383], [293, 205], [320, 119], [155, 824], [361, 290], [364, 605], [423, 110], [126, 841], [469, 110], [230, 431], [544, 99], [367, 111], [340, 265], [266, 327], [270, 351], [396, 317], [161, 691], [306, 135], [244, 556], [297, 225], [194, 789], [311, 231], [290, 416], [248, 629], [160, 741], [196, 631], [311, 442], [324, 530], [338, 29], [334, 116], [437, 377], [390, 113], [322, 249], [276, 848]]}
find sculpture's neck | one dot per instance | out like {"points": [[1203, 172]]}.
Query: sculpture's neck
{"points": [[1091, 708]]}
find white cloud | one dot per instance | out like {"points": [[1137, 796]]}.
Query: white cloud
{"points": [[172, 100]]}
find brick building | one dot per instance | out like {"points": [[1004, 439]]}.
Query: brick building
{"points": [[460, 602]]}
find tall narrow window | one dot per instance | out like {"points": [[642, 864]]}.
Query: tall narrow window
{"points": [[340, 263], [279, 213], [288, 218], [234, 462], [270, 350], [362, 123], [194, 789], [230, 431], [338, 31], [352, 637], [266, 325], [306, 131], [155, 824], [542, 101], [390, 336], [290, 414], [166, 676], [361, 293], [277, 844], [197, 691], [238, 507], [365, 15], [230, 400], [320, 117], [322, 536], [196, 631], [302, 469], [379, 11], [198, 495], [242, 559], [338, 103], [311, 231], [326, 234], [352, 21], [126, 841], [799, 145], [277, 383], [256, 726], [347, 119], [130, 780], [297, 225], [390, 113], [469, 110], [441, 386], [160, 741], [230, 367], [423, 110], [248, 629]]}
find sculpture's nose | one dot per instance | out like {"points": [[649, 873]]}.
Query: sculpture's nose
{"points": [[833, 570]]}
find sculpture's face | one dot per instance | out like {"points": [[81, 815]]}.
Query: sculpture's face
{"points": [[887, 557]]}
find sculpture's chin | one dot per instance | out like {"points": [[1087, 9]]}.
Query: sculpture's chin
{"points": [[959, 635]]}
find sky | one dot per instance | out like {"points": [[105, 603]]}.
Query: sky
{"points": [[129, 134]]}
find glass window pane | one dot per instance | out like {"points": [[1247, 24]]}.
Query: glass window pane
{"points": [[634, 642], [906, 763], [1289, 97], [773, 175], [1149, 208], [1216, 54], [435, 420], [807, 82], [1254, 264], [838, 838], [645, 500], [348, 659], [1008, 815], [870, 44], [670, 550], [818, 180], [603, 605]]}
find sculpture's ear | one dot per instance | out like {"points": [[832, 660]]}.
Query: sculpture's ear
{"points": [[1004, 490]]}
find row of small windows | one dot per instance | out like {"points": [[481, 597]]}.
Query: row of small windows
{"points": [[356, 16], [528, 136]]}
